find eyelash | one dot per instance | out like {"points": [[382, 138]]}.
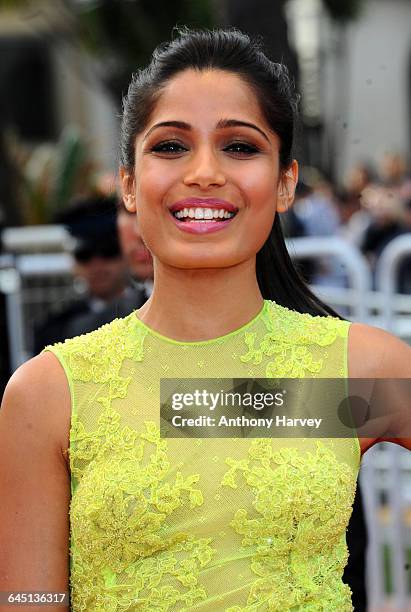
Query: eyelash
{"points": [[159, 148]]}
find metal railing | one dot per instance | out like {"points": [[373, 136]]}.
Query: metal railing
{"points": [[356, 268], [32, 284]]}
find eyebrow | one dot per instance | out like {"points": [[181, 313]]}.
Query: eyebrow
{"points": [[222, 124]]}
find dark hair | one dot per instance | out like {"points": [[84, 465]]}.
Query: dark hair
{"points": [[91, 221], [232, 51]]}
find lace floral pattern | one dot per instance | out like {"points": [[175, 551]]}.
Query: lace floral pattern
{"points": [[122, 551], [290, 341], [295, 537], [117, 516], [99, 355], [129, 546]]}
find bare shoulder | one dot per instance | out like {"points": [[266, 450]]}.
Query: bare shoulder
{"points": [[34, 478], [374, 352], [37, 399]]}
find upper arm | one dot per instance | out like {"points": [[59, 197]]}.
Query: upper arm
{"points": [[375, 354], [34, 478]]}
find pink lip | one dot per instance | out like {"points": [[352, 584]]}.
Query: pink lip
{"points": [[203, 203], [202, 227]]}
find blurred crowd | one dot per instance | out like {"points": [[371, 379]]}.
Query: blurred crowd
{"points": [[372, 208]]}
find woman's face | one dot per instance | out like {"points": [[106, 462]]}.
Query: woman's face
{"points": [[207, 147]]}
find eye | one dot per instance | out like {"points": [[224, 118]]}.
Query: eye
{"points": [[241, 148], [168, 147]]}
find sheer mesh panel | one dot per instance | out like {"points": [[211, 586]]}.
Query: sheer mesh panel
{"points": [[204, 523]]}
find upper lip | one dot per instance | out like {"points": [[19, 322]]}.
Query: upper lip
{"points": [[203, 203]]}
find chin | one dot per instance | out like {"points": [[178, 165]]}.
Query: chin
{"points": [[204, 256], [191, 263]]}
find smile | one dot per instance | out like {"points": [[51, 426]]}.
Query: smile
{"points": [[202, 214], [200, 221]]}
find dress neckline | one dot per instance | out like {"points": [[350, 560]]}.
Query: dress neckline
{"points": [[218, 339]]}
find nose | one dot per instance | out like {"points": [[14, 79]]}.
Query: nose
{"points": [[204, 170]]}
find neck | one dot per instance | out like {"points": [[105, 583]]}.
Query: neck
{"points": [[196, 305]]}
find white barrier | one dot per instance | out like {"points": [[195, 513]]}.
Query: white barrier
{"points": [[386, 275], [356, 266], [13, 272]]}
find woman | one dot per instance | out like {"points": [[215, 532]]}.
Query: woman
{"points": [[162, 523]]}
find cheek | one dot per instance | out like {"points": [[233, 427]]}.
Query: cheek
{"points": [[260, 174], [153, 190], [155, 181], [259, 188]]}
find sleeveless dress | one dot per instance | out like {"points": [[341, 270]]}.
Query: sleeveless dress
{"points": [[231, 524]]}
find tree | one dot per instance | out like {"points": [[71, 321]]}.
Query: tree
{"points": [[123, 35]]}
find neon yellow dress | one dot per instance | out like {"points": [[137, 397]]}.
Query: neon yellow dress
{"points": [[203, 524]]}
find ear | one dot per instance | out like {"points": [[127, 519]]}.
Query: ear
{"points": [[286, 187], [127, 189]]}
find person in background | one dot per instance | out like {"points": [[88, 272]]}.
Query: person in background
{"points": [[390, 218], [292, 225], [99, 266], [358, 178], [348, 204], [140, 276], [295, 227], [135, 252], [355, 223], [395, 174], [393, 169], [386, 209], [315, 207]]}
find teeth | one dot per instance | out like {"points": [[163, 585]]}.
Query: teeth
{"points": [[203, 213]]}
